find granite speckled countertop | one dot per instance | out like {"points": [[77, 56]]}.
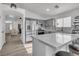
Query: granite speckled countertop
{"points": [[56, 40]]}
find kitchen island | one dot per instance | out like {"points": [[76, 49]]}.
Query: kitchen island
{"points": [[49, 44]]}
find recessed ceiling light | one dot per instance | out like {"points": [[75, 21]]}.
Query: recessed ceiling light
{"points": [[47, 9]]}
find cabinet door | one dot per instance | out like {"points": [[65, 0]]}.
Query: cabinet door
{"points": [[38, 48]]}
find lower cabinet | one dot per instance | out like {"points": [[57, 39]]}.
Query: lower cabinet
{"points": [[38, 48], [42, 49]]}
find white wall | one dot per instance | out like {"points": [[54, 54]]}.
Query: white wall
{"points": [[7, 27], [30, 14], [2, 30]]}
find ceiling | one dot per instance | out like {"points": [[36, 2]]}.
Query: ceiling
{"points": [[48, 9], [12, 15]]}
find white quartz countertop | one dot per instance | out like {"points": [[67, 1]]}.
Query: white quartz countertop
{"points": [[56, 39]]}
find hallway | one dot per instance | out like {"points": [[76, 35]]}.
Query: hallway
{"points": [[13, 47]]}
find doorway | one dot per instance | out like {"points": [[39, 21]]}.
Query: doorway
{"points": [[13, 39]]}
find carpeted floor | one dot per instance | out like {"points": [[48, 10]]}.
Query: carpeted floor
{"points": [[14, 47]]}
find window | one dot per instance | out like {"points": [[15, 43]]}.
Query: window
{"points": [[67, 22], [59, 23], [63, 22]]}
